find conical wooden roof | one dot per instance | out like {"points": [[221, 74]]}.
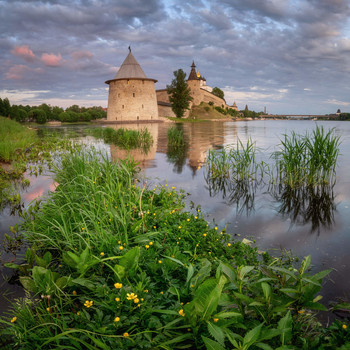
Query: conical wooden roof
{"points": [[130, 69]]}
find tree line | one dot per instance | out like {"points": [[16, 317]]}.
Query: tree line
{"points": [[43, 113]]}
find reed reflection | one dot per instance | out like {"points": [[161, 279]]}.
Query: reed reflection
{"points": [[177, 147], [307, 204]]}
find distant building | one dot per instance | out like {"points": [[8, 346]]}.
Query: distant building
{"points": [[132, 96]]}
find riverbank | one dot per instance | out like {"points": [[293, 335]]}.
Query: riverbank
{"points": [[116, 264]]}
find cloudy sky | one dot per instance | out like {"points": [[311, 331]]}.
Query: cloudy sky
{"points": [[292, 56]]}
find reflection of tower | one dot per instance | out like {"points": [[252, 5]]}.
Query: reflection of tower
{"points": [[143, 158], [202, 140], [132, 95]]}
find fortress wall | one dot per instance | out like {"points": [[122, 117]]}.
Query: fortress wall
{"points": [[132, 100], [196, 91], [165, 111], [209, 97], [162, 95]]}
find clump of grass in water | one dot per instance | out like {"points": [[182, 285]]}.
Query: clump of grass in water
{"points": [[176, 137], [307, 159], [235, 163], [124, 138]]}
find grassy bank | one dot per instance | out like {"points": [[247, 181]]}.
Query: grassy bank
{"points": [[14, 138], [113, 265]]}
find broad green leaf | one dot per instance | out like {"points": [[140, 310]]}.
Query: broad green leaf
{"points": [[190, 272], [322, 274], [166, 312], [47, 257], [305, 264], [228, 271], [11, 265], [175, 260], [203, 272], [41, 262], [263, 346], [289, 290], [70, 259], [84, 282], [310, 280], [252, 336], [319, 297], [283, 270], [130, 260], [28, 284], [211, 344], [244, 270], [243, 297], [266, 289], [120, 271], [228, 315], [315, 306], [216, 332], [84, 256], [285, 325], [62, 282]]}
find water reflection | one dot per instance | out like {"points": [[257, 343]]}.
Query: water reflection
{"points": [[307, 205], [238, 193], [177, 154], [144, 156]]}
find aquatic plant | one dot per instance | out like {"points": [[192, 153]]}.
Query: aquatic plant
{"points": [[176, 137], [235, 162], [117, 265], [124, 138], [307, 159]]}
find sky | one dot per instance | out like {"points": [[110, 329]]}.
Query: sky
{"points": [[290, 56]]}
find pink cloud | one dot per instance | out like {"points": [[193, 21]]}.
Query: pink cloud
{"points": [[80, 55], [51, 60], [16, 72], [25, 52]]}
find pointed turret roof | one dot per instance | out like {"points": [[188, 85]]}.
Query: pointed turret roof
{"points": [[130, 69], [193, 74]]}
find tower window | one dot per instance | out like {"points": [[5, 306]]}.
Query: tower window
{"points": [[123, 106], [142, 106], [133, 94], [118, 95]]}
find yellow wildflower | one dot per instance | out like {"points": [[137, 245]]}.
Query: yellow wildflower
{"points": [[196, 217], [188, 219], [136, 300], [14, 319], [117, 299], [177, 242], [102, 253], [162, 292], [131, 296], [229, 244], [159, 261], [179, 227], [215, 319], [150, 243], [117, 319], [88, 303], [48, 309], [121, 247], [126, 334], [146, 290], [173, 187], [344, 326], [118, 285], [181, 313], [215, 228], [83, 228], [74, 292], [204, 235], [301, 311]]}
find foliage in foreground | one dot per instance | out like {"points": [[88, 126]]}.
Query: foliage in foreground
{"points": [[124, 138], [113, 265]]}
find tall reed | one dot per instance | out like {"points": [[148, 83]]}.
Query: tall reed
{"points": [[237, 163], [176, 137], [307, 159]]}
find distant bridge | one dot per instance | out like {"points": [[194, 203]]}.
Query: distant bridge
{"points": [[296, 116]]}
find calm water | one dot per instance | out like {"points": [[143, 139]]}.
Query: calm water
{"points": [[317, 223]]}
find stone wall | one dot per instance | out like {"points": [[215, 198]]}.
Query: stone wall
{"points": [[132, 100], [165, 110]]}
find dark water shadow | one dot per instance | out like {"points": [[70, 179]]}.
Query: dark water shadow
{"points": [[238, 192], [304, 205]]}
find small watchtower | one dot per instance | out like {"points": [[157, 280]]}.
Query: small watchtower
{"points": [[132, 96]]}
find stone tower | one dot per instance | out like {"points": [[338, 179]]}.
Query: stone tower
{"points": [[132, 96], [194, 83]]}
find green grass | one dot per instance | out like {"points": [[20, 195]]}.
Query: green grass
{"points": [[176, 137], [308, 159], [101, 236], [124, 138], [14, 138]]}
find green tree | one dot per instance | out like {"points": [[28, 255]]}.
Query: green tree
{"points": [[38, 115], [218, 92], [179, 93], [5, 107]]}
